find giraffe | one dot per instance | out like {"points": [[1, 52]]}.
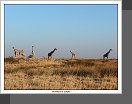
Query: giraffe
{"points": [[22, 53], [19, 53], [106, 54], [50, 54], [73, 55], [16, 52], [33, 53]]}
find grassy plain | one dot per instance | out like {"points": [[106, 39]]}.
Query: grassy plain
{"points": [[60, 74]]}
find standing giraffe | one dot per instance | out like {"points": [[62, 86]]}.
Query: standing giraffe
{"points": [[19, 53], [33, 53], [50, 54], [22, 53], [73, 55], [16, 52], [107, 54]]}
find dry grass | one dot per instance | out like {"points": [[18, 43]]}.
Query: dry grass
{"points": [[60, 74]]}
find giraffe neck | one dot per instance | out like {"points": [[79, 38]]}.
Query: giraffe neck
{"points": [[108, 52], [32, 49], [53, 51]]}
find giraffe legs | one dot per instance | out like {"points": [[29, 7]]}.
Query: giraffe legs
{"points": [[49, 57], [16, 54], [104, 57], [73, 57], [19, 54], [23, 55]]}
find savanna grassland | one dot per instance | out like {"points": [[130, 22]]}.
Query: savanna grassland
{"points": [[60, 74]]}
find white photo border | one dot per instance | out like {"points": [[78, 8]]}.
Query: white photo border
{"points": [[119, 91]]}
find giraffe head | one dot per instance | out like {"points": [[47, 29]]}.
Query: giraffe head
{"points": [[55, 49]]}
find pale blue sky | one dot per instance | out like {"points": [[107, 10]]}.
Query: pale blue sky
{"points": [[87, 30]]}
